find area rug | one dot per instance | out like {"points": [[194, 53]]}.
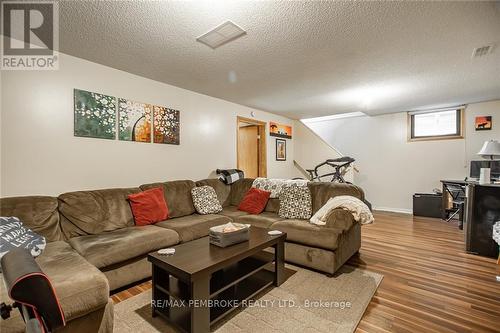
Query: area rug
{"points": [[306, 302]]}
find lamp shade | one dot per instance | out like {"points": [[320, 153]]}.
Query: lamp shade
{"points": [[491, 149]]}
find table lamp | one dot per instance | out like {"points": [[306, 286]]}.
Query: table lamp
{"points": [[490, 150]]}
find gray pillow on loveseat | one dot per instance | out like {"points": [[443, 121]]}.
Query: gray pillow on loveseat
{"points": [[14, 235]]}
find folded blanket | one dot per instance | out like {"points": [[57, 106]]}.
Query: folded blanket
{"points": [[230, 176], [356, 207], [274, 185]]}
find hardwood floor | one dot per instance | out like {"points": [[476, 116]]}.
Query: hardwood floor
{"points": [[430, 284]]}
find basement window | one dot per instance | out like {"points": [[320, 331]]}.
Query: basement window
{"points": [[435, 124]]}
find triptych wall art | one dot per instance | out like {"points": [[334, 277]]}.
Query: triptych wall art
{"points": [[102, 116], [95, 115], [166, 125], [134, 121]]}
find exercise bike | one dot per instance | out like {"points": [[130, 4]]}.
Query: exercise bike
{"points": [[340, 167]]}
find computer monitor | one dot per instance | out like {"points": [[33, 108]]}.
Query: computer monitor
{"points": [[475, 168]]}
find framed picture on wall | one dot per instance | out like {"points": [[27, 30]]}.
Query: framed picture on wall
{"points": [[483, 123], [279, 130], [280, 150]]}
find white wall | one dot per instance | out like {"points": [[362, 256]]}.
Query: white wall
{"points": [[391, 169], [474, 140], [310, 150], [40, 155]]}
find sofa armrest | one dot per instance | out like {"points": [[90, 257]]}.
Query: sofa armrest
{"points": [[340, 219]]}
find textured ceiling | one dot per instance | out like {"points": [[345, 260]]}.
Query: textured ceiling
{"points": [[299, 59]]}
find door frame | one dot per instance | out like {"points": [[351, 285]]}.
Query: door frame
{"points": [[261, 125]]}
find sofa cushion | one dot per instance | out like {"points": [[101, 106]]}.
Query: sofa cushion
{"points": [[148, 207], [303, 232], [95, 212], [295, 202], [262, 220], [193, 226], [80, 287], [322, 192], [178, 196], [120, 245], [239, 189], [273, 205], [232, 212], [223, 190], [205, 200], [37, 213]]}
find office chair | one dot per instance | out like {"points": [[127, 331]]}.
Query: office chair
{"points": [[457, 193]]}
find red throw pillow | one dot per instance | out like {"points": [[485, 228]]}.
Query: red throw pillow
{"points": [[254, 201], [148, 207]]}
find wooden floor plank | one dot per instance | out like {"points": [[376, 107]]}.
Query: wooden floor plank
{"points": [[430, 283]]}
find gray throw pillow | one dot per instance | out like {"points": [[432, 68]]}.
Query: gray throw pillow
{"points": [[295, 202], [205, 200], [14, 235]]}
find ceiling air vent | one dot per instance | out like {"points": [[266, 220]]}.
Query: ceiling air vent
{"points": [[222, 34], [482, 51]]}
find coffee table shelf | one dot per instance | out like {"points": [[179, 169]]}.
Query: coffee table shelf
{"points": [[220, 280], [217, 278], [244, 290], [231, 275]]}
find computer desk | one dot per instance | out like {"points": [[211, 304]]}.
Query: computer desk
{"points": [[482, 210]]}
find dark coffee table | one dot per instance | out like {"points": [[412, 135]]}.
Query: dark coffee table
{"points": [[201, 283]]}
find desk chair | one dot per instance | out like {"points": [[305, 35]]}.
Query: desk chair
{"points": [[457, 193]]}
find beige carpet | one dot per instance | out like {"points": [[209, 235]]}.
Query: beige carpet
{"points": [[349, 285]]}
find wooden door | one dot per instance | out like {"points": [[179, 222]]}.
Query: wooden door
{"points": [[248, 150]]}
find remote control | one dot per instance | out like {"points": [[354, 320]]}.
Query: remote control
{"points": [[274, 232], [166, 251]]}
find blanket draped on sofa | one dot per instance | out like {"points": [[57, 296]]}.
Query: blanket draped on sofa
{"points": [[274, 185], [356, 207]]}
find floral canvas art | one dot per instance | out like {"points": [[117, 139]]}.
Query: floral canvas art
{"points": [[166, 124], [134, 121], [95, 115]]}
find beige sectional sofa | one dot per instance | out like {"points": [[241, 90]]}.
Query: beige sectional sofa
{"points": [[94, 247]]}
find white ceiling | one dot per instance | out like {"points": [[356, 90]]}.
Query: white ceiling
{"points": [[299, 59]]}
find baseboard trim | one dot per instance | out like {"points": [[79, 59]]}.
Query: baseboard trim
{"points": [[394, 210]]}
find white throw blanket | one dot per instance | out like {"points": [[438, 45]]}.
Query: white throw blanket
{"points": [[356, 207], [496, 232], [274, 185]]}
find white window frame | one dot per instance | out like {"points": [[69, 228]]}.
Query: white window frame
{"points": [[459, 134]]}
